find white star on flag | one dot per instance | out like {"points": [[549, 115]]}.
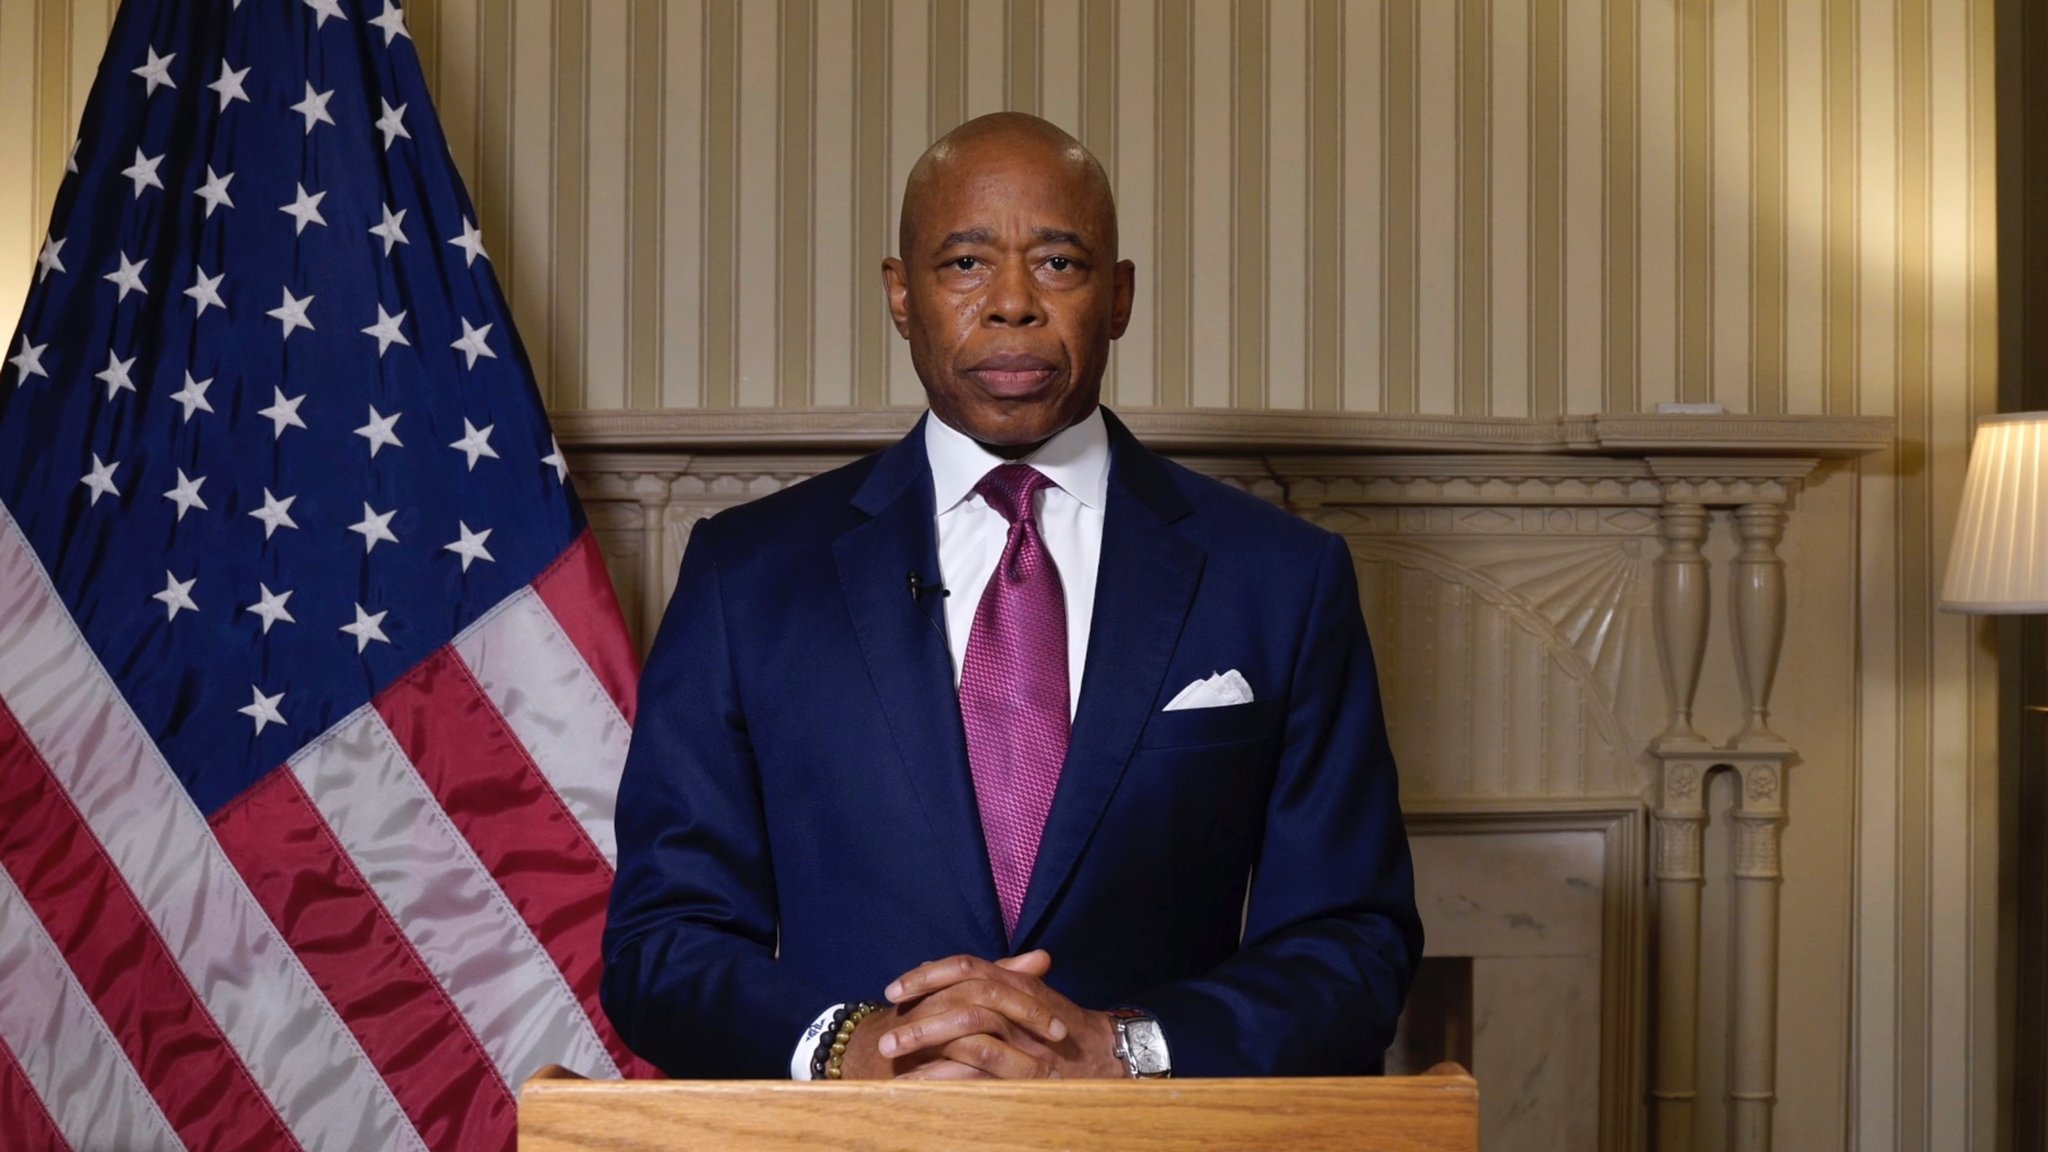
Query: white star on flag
{"points": [[29, 361], [156, 73], [71, 161], [392, 230], [471, 242], [374, 526], [263, 709], [282, 413], [292, 313], [392, 123], [116, 374], [275, 514], [230, 86], [205, 290], [323, 9], [47, 260], [378, 432], [368, 627], [392, 22], [271, 607], [193, 397], [305, 209], [471, 546], [472, 343], [314, 107], [215, 191], [101, 479], [386, 331], [177, 594], [556, 460], [128, 277], [143, 172], [475, 442], [186, 494]]}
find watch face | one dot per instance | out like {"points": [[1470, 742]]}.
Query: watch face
{"points": [[1147, 1046]]}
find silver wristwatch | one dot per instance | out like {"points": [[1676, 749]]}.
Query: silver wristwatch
{"points": [[1140, 1044]]}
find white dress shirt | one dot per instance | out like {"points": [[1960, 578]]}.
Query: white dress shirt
{"points": [[971, 539], [972, 534]]}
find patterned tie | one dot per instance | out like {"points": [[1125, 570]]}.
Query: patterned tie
{"points": [[1013, 689]]}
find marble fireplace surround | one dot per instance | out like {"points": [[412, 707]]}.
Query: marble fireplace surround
{"points": [[1537, 591]]}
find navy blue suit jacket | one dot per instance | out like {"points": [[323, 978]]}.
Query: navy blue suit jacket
{"points": [[797, 823]]}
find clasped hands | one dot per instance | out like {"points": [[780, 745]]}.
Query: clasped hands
{"points": [[966, 1018]]}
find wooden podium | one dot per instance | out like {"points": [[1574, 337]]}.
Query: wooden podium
{"points": [[1437, 1112]]}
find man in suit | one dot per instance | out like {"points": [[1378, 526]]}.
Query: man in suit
{"points": [[967, 698]]}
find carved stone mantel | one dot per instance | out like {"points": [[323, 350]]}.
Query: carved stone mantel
{"points": [[1531, 584]]}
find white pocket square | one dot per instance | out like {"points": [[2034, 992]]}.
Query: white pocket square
{"points": [[1217, 691]]}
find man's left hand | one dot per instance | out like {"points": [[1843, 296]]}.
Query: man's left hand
{"points": [[991, 1019]]}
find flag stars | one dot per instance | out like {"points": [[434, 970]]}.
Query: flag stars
{"points": [[275, 514], [176, 596], [386, 331], [215, 191], [556, 461], [263, 709], [128, 277], [205, 290], [369, 626], [392, 123], [475, 442], [292, 313], [143, 172], [230, 85], [373, 527], [29, 361], [471, 242], [100, 481], [470, 546], [305, 210], [282, 414], [314, 107], [50, 259], [156, 73], [193, 398], [472, 343], [392, 230], [186, 494], [116, 374], [379, 433], [392, 22], [270, 606], [323, 9], [71, 161]]}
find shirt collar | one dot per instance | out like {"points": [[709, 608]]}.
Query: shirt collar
{"points": [[1077, 460]]}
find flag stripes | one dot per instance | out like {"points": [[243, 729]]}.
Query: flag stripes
{"points": [[578, 593], [22, 1116]]}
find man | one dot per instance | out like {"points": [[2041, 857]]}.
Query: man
{"points": [[947, 702]]}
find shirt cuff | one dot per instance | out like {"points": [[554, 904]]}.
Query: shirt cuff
{"points": [[800, 1060]]}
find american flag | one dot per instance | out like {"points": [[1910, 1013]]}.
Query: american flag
{"points": [[313, 691]]}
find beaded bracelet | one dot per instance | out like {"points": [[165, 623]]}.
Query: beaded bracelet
{"points": [[842, 1035]]}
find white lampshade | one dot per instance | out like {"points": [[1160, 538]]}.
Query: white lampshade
{"points": [[1999, 561]]}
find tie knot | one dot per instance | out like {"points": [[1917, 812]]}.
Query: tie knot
{"points": [[1009, 489]]}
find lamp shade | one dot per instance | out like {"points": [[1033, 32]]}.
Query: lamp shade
{"points": [[1999, 560]]}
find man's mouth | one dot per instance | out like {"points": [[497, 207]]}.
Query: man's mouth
{"points": [[1011, 374]]}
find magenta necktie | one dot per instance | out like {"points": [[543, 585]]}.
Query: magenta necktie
{"points": [[1013, 689]]}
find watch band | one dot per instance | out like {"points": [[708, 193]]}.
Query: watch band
{"points": [[1140, 1044]]}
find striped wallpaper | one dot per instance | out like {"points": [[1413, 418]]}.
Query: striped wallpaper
{"points": [[1515, 207]]}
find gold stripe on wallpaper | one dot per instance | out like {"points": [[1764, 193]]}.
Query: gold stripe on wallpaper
{"points": [[1696, 202], [1399, 246], [874, 227], [683, 216], [646, 222], [1364, 26], [721, 202], [1282, 222], [1130, 93], [948, 58], [1474, 190], [1212, 134], [1545, 291], [1328, 104], [568, 224], [1097, 125], [1023, 59], [834, 193], [1622, 356], [1247, 218], [1766, 196], [1842, 224], [55, 115], [795, 187], [1172, 235]]}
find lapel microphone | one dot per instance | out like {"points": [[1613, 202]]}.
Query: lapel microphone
{"points": [[919, 589]]}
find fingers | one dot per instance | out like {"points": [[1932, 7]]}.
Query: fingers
{"points": [[944, 1070], [996, 1059], [1037, 962]]}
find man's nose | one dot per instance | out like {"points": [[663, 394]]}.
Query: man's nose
{"points": [[1013, 297]]}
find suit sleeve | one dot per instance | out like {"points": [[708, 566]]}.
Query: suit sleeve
{"points": [[1331, 935], [690, 979]]}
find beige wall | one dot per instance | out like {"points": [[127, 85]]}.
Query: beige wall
{"points": [[1479, 206]]}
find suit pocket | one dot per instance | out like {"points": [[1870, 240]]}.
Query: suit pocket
{"points": [[1228, 724]]}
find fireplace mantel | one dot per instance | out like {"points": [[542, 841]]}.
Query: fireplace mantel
{"points": [[1537, 591]]}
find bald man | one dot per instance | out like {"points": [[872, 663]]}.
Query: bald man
{"points": [[1013, 750]]}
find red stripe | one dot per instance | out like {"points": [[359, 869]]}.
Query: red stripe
{"points": [[23, 1119], [492, 790], [365, 966], [195, 1074], [578, 590]]}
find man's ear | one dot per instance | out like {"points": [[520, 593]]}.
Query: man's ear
{"points": [[1122, 293], [896, 282]]}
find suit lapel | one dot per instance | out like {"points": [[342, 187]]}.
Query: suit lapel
{"points": [[1144, 587], [904, 644]]}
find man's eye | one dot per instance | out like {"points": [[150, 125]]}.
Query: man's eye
{"points": [[965, 263], [1059, 263]]}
